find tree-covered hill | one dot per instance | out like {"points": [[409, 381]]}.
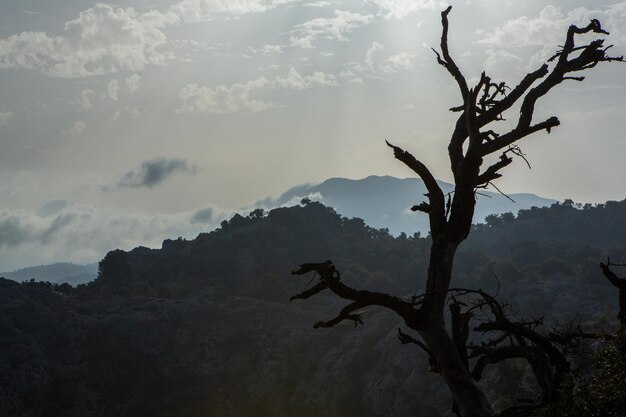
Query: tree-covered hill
{"points": [[205, 326]]}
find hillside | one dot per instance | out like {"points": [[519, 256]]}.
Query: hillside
{"points": [[64, 272], [204, 327]]}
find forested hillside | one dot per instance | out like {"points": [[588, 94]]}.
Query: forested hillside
{"points": [[205, 327]]}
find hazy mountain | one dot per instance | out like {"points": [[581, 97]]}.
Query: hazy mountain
{"points": [[59, 273], [384, 202]]}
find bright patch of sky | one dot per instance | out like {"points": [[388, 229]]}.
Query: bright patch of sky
{"points": [[153, 119]]}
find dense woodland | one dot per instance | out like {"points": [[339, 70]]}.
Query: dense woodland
{"points": [[205, 327]]}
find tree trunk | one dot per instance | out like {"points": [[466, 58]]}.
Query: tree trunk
{"points": [[468, 396]]}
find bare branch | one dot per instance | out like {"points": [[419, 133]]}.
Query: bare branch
{"points": [[321, 286], [515, 94], [331, 279], [447, 62], [345, 314], [435, 195], [516, 134], [491, 173]]}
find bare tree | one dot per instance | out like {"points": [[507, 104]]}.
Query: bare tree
{"points": [[620, 284], [450, 217]]}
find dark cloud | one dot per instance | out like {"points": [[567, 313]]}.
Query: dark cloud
{"points": [[154, 172], [57, 224], [204, 215], [13, 231], [18, 230], [52, 208]]}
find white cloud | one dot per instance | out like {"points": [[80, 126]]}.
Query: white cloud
{"points": [[375, 65], [101, 40], [132, 82], [547, 28], [397, 9], [369, 55], [336, 27], [84, 101], [5, 117], [268, 49], [295, 81], [503, 65], [115, 117], [223, 98], [206, 10], [550, 26], [237, 97], [77, 129], [113, 89], [397, 62]]}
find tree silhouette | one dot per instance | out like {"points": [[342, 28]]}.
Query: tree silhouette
{"points": [[620, 284], [472, 142]]}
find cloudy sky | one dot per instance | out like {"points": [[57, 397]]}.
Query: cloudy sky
{"points": [[125, 123]]}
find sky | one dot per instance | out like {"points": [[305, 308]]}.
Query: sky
{"points": [[122, 124]]}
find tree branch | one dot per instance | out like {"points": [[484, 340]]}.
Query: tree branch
{"points": [[331, 279], [516, 134], [436, 209], [345, 314], [447, 62]]}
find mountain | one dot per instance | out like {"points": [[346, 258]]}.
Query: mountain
{"points": [[58, 273], [384, 202]]}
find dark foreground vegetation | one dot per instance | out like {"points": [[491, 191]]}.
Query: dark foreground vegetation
{"points": [[205, 327]]}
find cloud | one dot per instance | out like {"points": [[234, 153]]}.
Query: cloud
{"points": [[397, 62], [294, 81], [550, 26], [397, 9], [64, 231], [84, 101], [5, 117], [542, 34], [223, 98], [113, 89], [206, 10], [154, 172], [12, 230], [101, 40], [369, 55], [77, 129], [132, 82], [267, 49], [336, 27], [547, 28], [503, 65], [52, 208], [375, 65], [204, 215], [238, 97]]}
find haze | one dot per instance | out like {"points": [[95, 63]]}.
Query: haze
{"points": [[125, 123]]}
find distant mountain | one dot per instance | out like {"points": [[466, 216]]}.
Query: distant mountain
{"points": [[384, 202], [59, 273]]}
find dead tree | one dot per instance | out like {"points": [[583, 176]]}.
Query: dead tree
{"points": [[620, 284], [473, 141]]}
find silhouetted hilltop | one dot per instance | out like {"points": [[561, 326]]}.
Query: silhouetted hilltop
{"points": [[204, 326], [64, 272], [384, 202]]}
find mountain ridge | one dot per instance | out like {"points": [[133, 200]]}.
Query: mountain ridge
{"points": [[385, 201]]}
